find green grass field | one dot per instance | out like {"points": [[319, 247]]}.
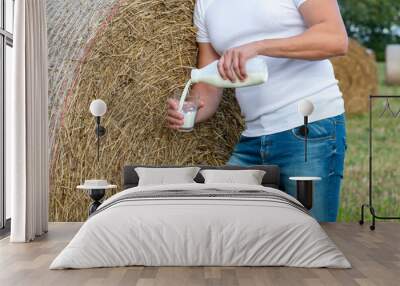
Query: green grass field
{"points": [[386, 152]]}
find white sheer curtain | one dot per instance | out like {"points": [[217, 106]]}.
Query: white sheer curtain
{"points": [[27, 127]]}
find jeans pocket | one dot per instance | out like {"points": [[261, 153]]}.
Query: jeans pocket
{"points": [[317, 131]]}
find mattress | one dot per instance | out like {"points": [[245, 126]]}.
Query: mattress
{"points": [[201, 225]]}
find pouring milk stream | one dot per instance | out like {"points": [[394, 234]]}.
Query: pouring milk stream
{"points": [[257, 73]]}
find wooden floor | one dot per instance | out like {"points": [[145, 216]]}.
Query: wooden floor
{"points": [[375, 257]]}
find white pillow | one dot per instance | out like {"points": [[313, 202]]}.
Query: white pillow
{"points": [[166, 176], [248, 177]]}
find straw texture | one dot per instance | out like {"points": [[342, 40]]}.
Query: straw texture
{"points": [[134, 65], [358, 77]]}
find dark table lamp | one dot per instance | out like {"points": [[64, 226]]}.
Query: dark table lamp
{"points": [[97, 188], [305, 185], [305, 108]]}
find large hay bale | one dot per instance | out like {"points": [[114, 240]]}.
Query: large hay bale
{"points": [[134, 64], [357, 75]]}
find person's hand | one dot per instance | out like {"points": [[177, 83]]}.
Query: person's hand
{"points": [[232, 64], [175, 118]]}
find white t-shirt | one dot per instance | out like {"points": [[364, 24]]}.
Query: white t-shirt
{"points": [[270, 107]]}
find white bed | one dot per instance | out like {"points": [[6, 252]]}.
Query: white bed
{"points": [[267, 229]]}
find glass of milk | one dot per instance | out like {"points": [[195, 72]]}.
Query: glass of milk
{"points": [[189, 110]]}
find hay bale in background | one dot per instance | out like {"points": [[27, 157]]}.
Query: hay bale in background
{"points": [[134, 65], [358, 77]]}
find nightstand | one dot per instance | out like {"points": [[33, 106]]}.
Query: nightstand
{"points": [[96, 193]]}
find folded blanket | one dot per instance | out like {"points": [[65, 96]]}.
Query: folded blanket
{"points": [[205, 194]]}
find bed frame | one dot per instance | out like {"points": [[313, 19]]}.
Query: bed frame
{"points": [[271, 177]]}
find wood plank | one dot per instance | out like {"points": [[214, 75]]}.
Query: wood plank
{"points": [[375, 257]]}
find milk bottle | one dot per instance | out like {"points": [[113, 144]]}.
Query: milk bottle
{"points": [[256, 69]]}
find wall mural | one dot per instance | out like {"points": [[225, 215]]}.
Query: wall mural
{"points": [[133, 54]]}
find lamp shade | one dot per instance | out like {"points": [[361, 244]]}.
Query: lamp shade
{"points": [[305, 107], [98, 107]]}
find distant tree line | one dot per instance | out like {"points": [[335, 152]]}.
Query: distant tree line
{"points": [[374, 23]]}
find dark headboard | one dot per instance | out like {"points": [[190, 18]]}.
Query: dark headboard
{"points": [[271, 177]]}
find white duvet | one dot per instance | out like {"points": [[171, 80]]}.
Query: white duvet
{"points": [[200, 231]]}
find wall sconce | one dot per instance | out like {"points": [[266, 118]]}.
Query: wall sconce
{"points": [[305, 108], [98, 108]]}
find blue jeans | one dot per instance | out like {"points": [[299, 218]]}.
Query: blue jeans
{"points": [[326, 153]]}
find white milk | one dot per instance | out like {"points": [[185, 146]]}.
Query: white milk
{"points": [[189, 112], [256, 69], [188, 109], [189, 121], [184, 94]]}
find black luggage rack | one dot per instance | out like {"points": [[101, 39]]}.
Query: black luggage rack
{"points": [[370, 206]]}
